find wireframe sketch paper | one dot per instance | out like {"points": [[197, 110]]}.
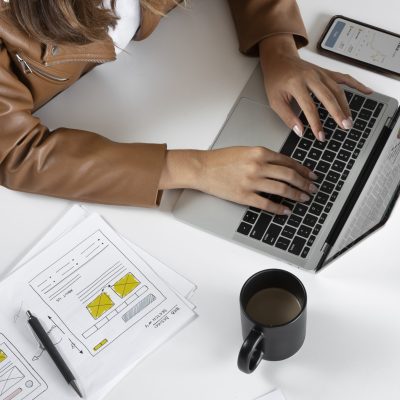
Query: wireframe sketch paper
{"points": [[77, 214], [103, 306]]}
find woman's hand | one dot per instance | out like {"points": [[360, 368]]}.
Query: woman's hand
{"points": [[287, 77], [240, 174]]}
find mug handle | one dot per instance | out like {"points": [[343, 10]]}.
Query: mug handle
{"points": [[251, 352]]}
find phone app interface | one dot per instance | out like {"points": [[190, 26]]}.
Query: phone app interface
{"points": [[365, 44]]}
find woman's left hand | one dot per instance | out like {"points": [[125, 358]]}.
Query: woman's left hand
{"points": [[288, 77]]}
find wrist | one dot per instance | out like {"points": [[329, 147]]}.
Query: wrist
{"points": [[282, 43], [182, 169]]}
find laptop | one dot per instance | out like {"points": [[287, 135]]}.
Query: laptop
{"points": [[358, 179]]}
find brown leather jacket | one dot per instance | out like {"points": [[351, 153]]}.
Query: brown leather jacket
{"points": [[81, 165]]}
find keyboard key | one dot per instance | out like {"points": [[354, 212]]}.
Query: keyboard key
{"points": [[328, 207], [370, 104], [282, 243], [310, 220], [322, 219], [356, 102], [288, 232], [365, 114], [304, 144], [304, 231], [319, 145], [359, 124], [328, 133], [320, 178], [297, 245], [299, 155], [371, 122], [334, 196], [355, 154], [339, 135], [310, 164], [349, 95], [294, 220], [327, 187], [323, 166], [360, 144], [345, 174], [272, 234], [338, 166], [353, 114], [334, 145], [260, 226], [343, 155], [332, 176], [349, 145], [322, 114], [311, 240], [250, 217], [244, 228], [290, 144], [328, 156], [354, 135], [321, 198], [317, 229], [314, 154], [330, 124], [300, 209], [316, 209], [305, 252], [280, 219], [309, 134], [378, 110], [339, 185], [351, 163]]}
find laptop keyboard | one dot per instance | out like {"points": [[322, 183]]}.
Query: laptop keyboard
{"points": [[331, 160]]}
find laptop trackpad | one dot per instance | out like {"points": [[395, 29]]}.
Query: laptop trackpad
{"points": [[252, 124]]}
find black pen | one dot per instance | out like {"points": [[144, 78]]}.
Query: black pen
{"points": [[53, 352]]}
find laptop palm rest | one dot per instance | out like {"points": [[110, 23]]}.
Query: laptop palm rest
{"points": [[250, 124]]}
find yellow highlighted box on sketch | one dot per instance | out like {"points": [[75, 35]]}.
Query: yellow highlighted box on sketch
{"points": [[100, 305], [125, 285], [3, 356], [99, 345]]}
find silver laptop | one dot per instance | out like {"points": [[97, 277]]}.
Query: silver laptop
{"points": [[359, 176]]}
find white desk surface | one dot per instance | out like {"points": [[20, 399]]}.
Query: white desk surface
{"points": [[177, 87]]}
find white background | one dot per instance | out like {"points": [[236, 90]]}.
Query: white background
{"points": [[177, 87]]}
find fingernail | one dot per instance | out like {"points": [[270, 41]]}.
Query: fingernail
{"points": [[313, 189], [304, 197], [287, 211], [298, 131], [313, 176], [347, 123], [321, 136]]}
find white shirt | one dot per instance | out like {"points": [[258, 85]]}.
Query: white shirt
{"points": [[129, 13]]}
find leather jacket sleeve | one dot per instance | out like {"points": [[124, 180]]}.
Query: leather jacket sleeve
{"points": [[258, 19], [70, 163]]}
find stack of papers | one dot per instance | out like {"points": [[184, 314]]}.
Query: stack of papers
{"points": [[105, 303]]}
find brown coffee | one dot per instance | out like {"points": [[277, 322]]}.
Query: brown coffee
{"points": [[273, 306]]}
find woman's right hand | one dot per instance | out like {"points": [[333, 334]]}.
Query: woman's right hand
{"points": [[240, 174]]}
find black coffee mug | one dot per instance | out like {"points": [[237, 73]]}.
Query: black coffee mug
{"points": [[273, 312]]}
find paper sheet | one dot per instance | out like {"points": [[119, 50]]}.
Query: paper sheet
{"points": [[75, 215], [103, 306]]}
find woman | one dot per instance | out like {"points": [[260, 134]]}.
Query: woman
{"points": [[46, 45]]}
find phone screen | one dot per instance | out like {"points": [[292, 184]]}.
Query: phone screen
{"points": [[363, 43]]}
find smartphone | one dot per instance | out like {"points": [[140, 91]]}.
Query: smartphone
{"points": [[362, 44]]}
